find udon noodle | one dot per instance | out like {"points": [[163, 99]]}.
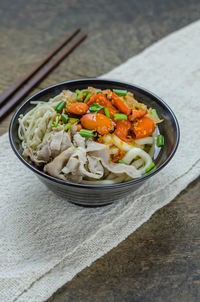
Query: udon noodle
{"points": [[91, 136]]}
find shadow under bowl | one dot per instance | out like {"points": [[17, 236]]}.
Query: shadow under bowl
{"points": [[96, 195]]}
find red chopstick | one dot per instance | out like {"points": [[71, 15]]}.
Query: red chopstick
{"points": [[13, 101]]}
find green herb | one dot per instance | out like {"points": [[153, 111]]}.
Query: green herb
{"points": [[120, 92], [60, 106], [64, 118], [86, 133], [68, 126], [55, 124], [73, 119], [122, 162], [150, 168], [99, 92], [88, 96], [95, 107], [120, 116], [154, 112], [79, 95], [160, 141], [107, 113]]}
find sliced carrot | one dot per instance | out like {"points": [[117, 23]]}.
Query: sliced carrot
{"points": [[96, 97], [122, 130], [102, 100], [98, 122], [137, 114], [78, 108], [79, 127], [143, 127], [119, 104]]}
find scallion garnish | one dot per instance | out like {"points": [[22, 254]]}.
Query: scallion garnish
{"points": [[160, 141], [154, 112], [60, 106], [120, 92], [122, 162], [79, 94], [86, 133], [74, 120], [68, 126], [64, 118], [150, 168], [99, 92], [55, 124], [88, 96], [120, 116], [95, 107], [107, 113]]}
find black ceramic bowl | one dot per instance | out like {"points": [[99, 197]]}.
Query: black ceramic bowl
{"points": [[94, 195]]}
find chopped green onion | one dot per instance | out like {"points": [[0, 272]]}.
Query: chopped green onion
{"points": [[160, 141], [149, 168], [107, 113], [60, 106], [99, 92], [73, 119], [122, 162], [95, 107], [64, 118], [120, 116], [88, 96], [85, 92], [68, 126], [154, 112], [55, 124], [120, 92], [86, 133], [79, 95]]}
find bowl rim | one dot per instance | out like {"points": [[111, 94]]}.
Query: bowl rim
{"points": [[91, 186]]}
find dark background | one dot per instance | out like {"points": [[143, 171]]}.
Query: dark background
{"points": [[160, 261]]}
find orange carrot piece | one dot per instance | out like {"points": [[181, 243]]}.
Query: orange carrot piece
{"points": [[119, 104], [122, 130], [96, 97], [78, 108], [101, 99], [97, 122], [143, 127], [137, 114], [79, 127]]}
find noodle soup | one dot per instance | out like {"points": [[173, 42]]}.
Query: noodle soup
{"points": [[92, 136]]}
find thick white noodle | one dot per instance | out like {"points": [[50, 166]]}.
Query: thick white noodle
{"points": [[137, 152], [146, 140], [138, 163], [153, 146], [36, 124], [120, 144]]}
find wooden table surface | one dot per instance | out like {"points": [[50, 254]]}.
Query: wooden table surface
{"points": [[160, 261]]}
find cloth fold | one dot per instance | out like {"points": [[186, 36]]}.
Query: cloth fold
{"points": [[44, 240]]}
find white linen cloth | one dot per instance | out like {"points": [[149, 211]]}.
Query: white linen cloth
{"points": [[44, 240]]}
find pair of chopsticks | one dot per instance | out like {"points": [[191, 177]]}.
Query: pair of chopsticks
{"points": [[15, 93]]}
